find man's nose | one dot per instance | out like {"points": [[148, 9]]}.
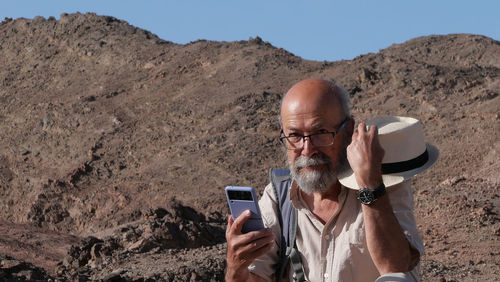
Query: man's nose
{"points": [[308, 148]]}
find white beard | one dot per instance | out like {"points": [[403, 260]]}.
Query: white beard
{"points": [[311, 181], [318, 181]]}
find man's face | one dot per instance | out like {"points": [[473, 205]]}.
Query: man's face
{"points": [[315, 169]]}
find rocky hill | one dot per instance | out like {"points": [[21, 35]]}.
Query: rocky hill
{"points": [[115, 145]]}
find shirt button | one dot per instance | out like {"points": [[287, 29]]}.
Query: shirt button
{"points": [[325, 275], [327, 237]]}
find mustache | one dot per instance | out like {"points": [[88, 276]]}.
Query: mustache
{"points": [[320, 159]]}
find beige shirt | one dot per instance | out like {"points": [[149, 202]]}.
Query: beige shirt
{"points": [[337, 250]]}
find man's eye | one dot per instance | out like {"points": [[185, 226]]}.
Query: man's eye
{"points": [[294, 138]]}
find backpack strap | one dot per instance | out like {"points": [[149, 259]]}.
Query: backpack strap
{"points": [[287, 218], [293, 253]]}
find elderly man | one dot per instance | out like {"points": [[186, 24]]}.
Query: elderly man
{"points": [[338, 238]]}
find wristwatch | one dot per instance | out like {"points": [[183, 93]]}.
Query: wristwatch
{"points": [[369, 196]]}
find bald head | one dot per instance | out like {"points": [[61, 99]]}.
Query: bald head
{"points": [[315, 94]]}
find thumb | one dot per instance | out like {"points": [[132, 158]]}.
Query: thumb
{"points": [[240, 220]]}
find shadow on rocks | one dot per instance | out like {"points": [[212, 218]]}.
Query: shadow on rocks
{"points": [[12, 269], [174, 227]]}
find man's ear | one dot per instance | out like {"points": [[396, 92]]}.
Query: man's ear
{"points": [[349, 129]]}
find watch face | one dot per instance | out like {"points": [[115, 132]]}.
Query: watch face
{"points": [[366, 196]]}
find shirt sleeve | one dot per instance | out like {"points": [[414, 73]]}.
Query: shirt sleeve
{"points": [[401, 198], [265, 266]]}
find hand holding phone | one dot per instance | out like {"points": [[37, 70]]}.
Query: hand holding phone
{"points": [[241, 199]]}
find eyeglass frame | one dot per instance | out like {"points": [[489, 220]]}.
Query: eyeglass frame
{"points": [[282, 136]]}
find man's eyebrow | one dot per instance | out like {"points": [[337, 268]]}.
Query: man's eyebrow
{"points": [[317, 126], [291, 129], [314, 126]]}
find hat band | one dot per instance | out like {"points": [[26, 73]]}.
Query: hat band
{"points": [[414, 163]]}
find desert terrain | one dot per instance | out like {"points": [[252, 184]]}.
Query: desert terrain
{"points": [[116, 145]]}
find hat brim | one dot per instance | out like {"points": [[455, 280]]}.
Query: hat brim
{"points": [[348, 180]]}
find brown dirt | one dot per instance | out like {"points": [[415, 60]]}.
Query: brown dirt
{"points": [[116, 145]]}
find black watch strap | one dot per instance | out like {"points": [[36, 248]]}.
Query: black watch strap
{"points": [[368, 196], [379, 191]]}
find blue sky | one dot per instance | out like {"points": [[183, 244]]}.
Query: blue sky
{"points": [[315, 30]]}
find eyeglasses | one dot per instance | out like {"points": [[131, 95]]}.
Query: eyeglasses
{"points": [[322, 139]]}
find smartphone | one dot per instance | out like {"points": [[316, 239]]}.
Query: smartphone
{"points": [[241, 199]]}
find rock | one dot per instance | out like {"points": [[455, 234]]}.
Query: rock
{"points": [[142, 246], [115, 276]]}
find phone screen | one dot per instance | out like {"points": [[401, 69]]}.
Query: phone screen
{"points": [[240, 195]]}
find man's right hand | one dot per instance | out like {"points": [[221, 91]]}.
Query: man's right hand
{"points": [[244, 248]]}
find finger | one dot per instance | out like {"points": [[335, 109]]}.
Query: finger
{"points": [[265, 234], [262, 250], [246, 255], [240, 220], [243, 244], [375, 137], [361, 128], [256, 240], [259, 234], [373, 129], [354, 135], [230, 222]]}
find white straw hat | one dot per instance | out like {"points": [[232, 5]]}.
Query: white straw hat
{"points": [[406, 153]]}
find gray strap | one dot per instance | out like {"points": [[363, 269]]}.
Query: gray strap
{"points": [[288, 226], [294, 254], [297, 265], [274, 182], [278, 175]]}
